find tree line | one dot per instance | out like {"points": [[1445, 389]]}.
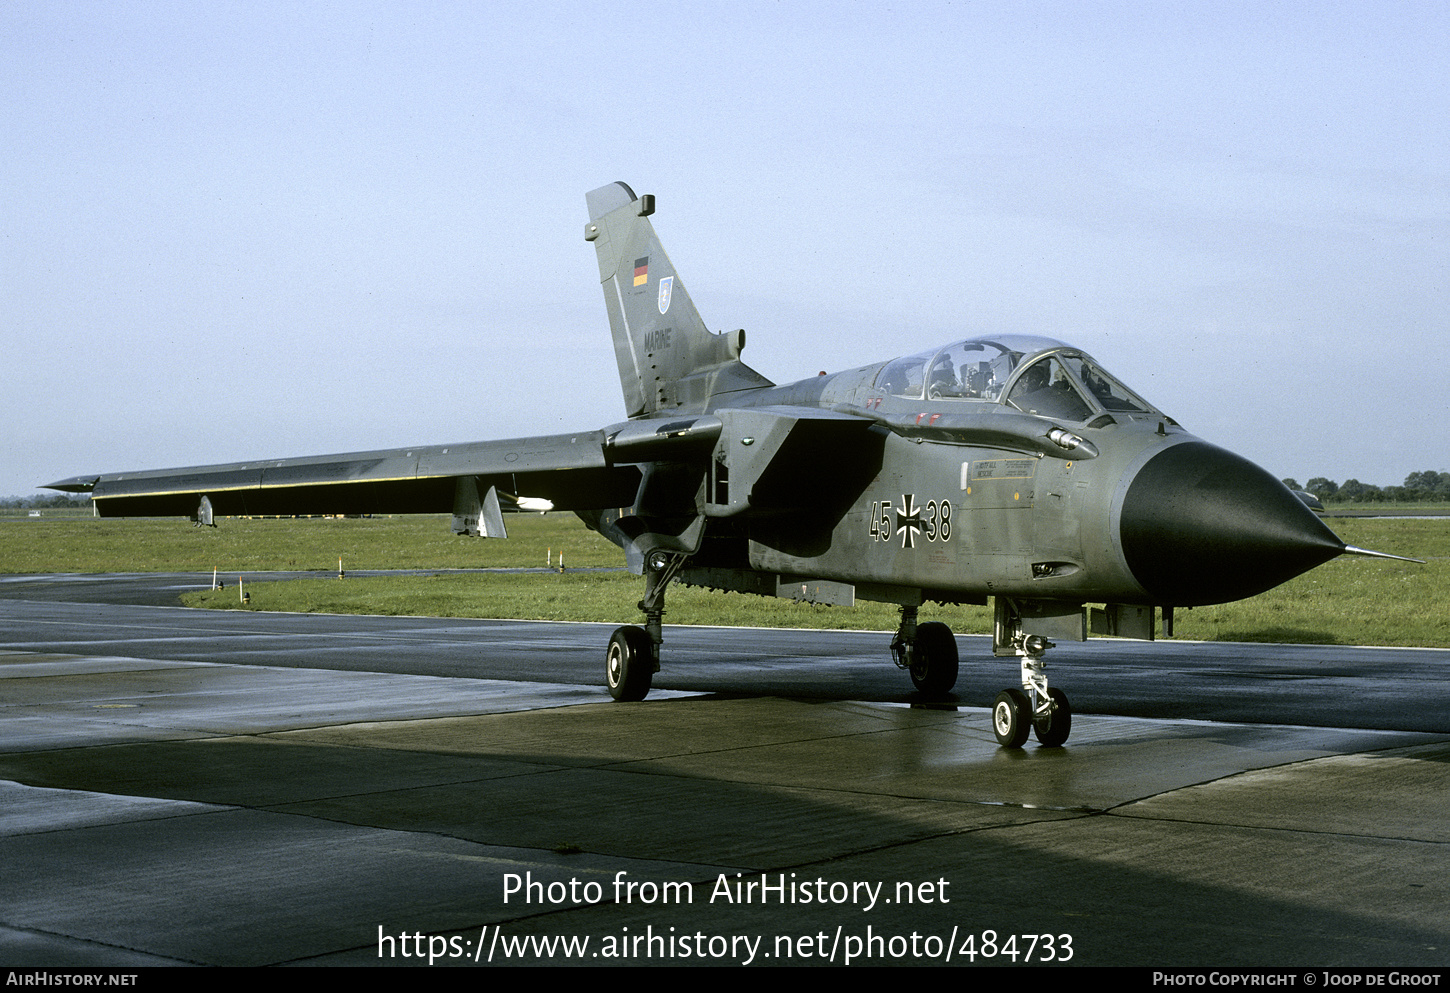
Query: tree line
{"points": [[1419, 487], [43, 502]]}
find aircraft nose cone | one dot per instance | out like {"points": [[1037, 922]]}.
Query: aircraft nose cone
{"points": [[1201, 525]]}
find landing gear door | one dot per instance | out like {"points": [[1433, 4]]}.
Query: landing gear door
{"points": [[1017, 620], [1121, 620]]}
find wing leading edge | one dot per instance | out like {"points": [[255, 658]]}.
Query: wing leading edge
{"points": [[569, 470]]}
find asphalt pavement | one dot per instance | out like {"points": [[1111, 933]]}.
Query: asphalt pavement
{"points": [[225, 788]]}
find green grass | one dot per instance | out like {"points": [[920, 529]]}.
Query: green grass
{"points": [[1333, 509], [572, 596], [61, 512], [259, 545], [1350, 600]]}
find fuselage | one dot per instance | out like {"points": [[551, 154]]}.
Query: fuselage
{"points": [[1016, 466]]}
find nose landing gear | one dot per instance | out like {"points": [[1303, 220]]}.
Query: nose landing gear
{"points": [[1036, 707]]}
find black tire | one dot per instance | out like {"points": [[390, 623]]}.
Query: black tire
{"points": [[1011, 718], [629, 664], [934, 659], [1053, 729]]}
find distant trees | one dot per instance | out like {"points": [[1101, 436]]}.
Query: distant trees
{"points": [[1433, 482], [43, 502], [1419, 487]]}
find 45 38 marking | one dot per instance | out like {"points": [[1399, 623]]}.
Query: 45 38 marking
{"points": [[906, 520]]}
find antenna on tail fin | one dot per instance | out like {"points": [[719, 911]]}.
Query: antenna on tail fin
{"points": [[669, 361]]}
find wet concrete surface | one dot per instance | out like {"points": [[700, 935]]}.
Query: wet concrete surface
{"points": [[181, 787]]}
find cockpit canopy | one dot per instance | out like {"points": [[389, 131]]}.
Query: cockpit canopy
{"points": [[1035, 375]]}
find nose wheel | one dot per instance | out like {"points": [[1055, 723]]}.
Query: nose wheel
{"points": [[1053, 723], [1036, 708], [1011, 718], [1015, 715]]}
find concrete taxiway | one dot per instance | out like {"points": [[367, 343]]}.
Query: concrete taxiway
{"points": [[181, 787]]}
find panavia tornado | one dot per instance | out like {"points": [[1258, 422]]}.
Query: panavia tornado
{"points": [[1008, 466]]}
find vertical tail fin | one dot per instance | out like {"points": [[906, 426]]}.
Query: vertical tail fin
{"points": [[668, 359]]}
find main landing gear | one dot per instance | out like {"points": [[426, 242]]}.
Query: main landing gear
{"points": [[1035, 708], [631, 663], [927, 651], [634, 652]]}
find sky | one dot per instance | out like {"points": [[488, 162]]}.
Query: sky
{"points": [[257, 229]]}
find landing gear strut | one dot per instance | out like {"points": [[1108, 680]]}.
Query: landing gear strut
{"points": [[1036, 707], [928, 651], [634, 652]]}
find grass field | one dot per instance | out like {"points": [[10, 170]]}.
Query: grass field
{"points": [[61, 512], [1347, 601]]}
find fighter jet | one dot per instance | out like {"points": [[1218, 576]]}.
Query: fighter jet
{"points": [[1010, 467]]}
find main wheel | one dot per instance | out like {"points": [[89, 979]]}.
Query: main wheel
{"points": [[1053, 728], [629, 665], [934, 658], [1011, 718]]}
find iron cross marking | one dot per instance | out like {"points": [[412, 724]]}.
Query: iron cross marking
{"points": [[908, 520]]}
